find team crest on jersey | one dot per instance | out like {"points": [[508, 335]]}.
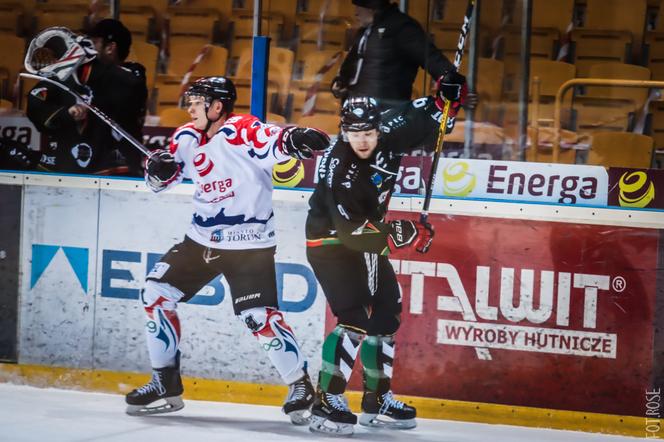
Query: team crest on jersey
{"points": [[377, 179], [203, 164]]}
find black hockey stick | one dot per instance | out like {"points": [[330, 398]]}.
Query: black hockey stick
{"points": [[102, 116], [446, 110]]}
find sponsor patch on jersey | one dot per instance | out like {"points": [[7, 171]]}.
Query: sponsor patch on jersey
{"points": [[217, 236], [158, 270]]}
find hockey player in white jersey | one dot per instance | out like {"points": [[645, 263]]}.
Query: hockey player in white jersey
{"points": [[229, 158]]}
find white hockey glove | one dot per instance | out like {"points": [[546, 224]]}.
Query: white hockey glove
{"points": [[300, 142], [160, 170]]}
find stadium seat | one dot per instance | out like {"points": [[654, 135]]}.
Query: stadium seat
{"points": [[658, 125], [139, 22], [168, 90], [617, 15], [314, 35], [490, 74], [654, 51], [146, 54], [552, 75], [73, 19], [275, 118], [556, 15], [591, 47], [336, 8], [12, 53], [325, 103], [327, 123], [242, 26], [173, 117], [619, 71], [188, 23], [309, 66], [184, 52], [593, 114], [620, 149], [280, 67], [12, 18]]}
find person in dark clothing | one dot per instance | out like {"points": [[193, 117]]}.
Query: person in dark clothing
{"points": [[388, 50], [112, 41], [348, 240], [79, 142]]}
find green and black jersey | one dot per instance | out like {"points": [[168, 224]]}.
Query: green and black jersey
{"points": [[351, 198]]}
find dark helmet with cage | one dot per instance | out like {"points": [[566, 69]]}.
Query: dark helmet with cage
{"points": [[214, 88], [360, 114]]}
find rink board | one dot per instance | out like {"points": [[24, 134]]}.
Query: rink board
{"points": [[83, 260]]}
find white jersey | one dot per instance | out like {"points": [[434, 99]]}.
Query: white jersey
{"points": [[232, 172]]}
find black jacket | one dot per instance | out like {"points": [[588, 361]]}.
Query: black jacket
{"points": [[396, 47], [90, 146], [352, 195]]}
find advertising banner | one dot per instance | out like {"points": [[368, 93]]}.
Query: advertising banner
{"points": [[521, 181], [85, 256], [20, 128], [58, 270], [10, 226], [636, 188], [528, 313]]}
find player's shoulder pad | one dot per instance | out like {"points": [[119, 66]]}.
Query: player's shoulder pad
{"points": [[134, 68], [186, 134]]}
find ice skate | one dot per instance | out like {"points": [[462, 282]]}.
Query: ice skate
{"points": [[330, 415], [384, 411], [163, 394], [298, 402]]}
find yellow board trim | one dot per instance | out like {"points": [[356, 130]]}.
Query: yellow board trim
{"points": [[261, 394]]}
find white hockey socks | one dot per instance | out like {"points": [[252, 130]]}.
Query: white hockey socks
{"points": [[278, 340], [162, 328]]}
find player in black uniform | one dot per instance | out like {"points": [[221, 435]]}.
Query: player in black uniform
{"points": [[348, 241], [79, 142]]}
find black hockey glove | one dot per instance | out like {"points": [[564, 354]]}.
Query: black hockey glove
{"points": [[452, 86], [160, 169], [406, 234], [300, 142]]}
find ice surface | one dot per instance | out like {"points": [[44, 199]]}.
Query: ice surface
{"points": [[52, 415]]}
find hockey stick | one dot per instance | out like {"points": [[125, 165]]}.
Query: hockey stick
{"points": [[446, 111], [102, 116]]}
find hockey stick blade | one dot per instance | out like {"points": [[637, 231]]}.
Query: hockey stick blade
{"points": [[102, 116]]}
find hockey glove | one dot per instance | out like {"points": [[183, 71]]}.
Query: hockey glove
{"points": [[409, 234], [161, 169], [451, 86], [300, 142]]}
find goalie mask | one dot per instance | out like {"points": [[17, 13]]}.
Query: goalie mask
{"points": [[58, 52]]}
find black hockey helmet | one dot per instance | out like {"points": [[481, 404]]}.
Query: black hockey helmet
{"points": [[359, 114], [214, 88]]}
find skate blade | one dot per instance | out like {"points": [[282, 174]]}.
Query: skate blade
{"points": [[166, 405], [378, 421], [318, 424], [300, 417]]}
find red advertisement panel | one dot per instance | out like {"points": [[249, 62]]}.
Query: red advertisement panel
{"points": [[530, 313]]}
